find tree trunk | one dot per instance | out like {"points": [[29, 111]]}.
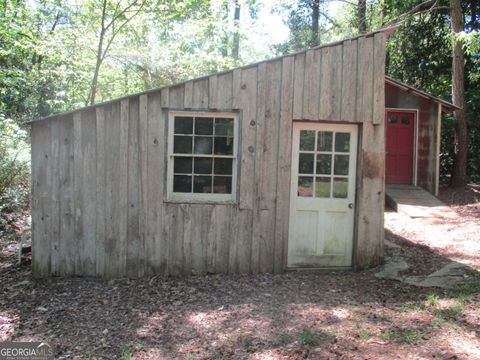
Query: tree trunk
{"points": [[94, 85], [362, 18], [236, 31], [459, 175], [315, 18]]}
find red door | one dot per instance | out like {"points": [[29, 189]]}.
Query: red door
{"points": [[399, 147]]}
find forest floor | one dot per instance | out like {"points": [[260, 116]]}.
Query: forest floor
{"points": [[296, 315]]}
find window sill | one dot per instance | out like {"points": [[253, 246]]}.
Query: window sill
{"points": [[201, 201]]}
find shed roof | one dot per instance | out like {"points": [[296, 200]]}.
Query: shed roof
{"points": [[446, 106]]}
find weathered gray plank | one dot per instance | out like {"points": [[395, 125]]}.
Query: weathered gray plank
{"points": [[143, 161], [236, 88], [247, 100], [371, 197], [66, 169], [312, 84], [200, 94], [165, 97], [176, 97], [89, 193], [257, 173], [100, 183], [240, 256], [225, 91], [134, 206], [330, 83], [284, 165], [223, 237], [299, 84], [188, 97], [178, 223], [379, 78], [41, 198], [155, 246], [212, 92], [365, 80], [54, 184], [112, 190], [349, 81], [78, 245]]}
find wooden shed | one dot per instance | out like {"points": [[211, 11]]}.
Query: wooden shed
{"points": [[264, 168], [413, 121]]}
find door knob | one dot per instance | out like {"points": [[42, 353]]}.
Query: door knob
{"points": [[350, 206]]}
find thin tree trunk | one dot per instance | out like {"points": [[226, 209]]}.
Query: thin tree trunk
{"points": [[94, 85], [224, 35], [236, 31], [459, 175], [362, 18], [315, 18]]}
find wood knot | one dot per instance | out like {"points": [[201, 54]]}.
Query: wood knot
{"points": [[244, 86], [251, 149]]}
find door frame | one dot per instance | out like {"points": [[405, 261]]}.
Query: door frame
{"points": [[415, 137], [359, 131]]}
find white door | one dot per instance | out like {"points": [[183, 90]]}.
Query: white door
{"points": [[323, 192]]}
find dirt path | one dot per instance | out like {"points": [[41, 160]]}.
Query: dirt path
{"points": [[298, 315]]}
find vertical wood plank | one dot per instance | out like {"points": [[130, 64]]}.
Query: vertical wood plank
{"points": [[143, 161], [133, 258], [237, 84], [284, 165], [165, 97], [225, 91], [178, 222], [379, 78], [89, 193], [100, 183], [200, 94], [299, 86], [349, 81], [312, 84], [247, 100], [123, 186], [55, 196], [156, 246], [365, 80], [41, 198], [330, 83], [112, 190], [66, 168], [212, 92], [176, 97], [257, 231], [188, 97], [78, 245], [223, 237]]}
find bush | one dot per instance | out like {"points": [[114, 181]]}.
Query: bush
{"points": [[14, 168]]}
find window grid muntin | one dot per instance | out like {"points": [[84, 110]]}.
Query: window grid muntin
{"points": [[332, 176], [231, 134]]}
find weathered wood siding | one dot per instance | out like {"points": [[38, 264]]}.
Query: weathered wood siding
{"points": [[99, 174], [427, 131]]}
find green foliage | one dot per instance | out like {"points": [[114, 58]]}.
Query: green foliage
{"points": [[404, 335], [453, 312], [307, 337]]}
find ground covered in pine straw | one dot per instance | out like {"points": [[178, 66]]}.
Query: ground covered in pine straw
{"points": [[297, 315]]}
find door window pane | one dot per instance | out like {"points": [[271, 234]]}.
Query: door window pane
{"points": [[202, 184], [182, 165], [341, 164], [222, 184], [203, 145], [182, 144], [203, 126], [324, 141], [307, 140], [305, 186], [322, 187], [183, 125], [405, 120], [342, 142], [223, 166], [324, 164], [340, 187], [392, 119], [182, 183], [202, 166], [305, 164]]}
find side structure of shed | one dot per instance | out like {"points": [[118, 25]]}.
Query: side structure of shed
{"points": [[100, 204]]}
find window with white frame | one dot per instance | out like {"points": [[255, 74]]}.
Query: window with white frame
{"points": [[202, 156]]}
